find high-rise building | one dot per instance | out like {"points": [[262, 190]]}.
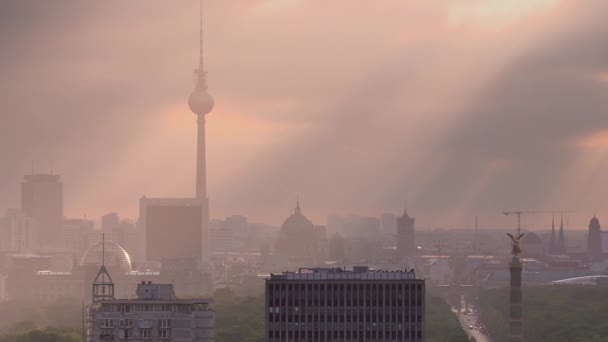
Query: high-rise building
{"points": [[172, 228], [19, 232], [42, 200], [594, 242], [406, 236], [333, 304]]}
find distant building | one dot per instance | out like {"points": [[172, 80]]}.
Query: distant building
{"points": [[388, 222], [42, 200], [333, 304], [156, 314], [594, 244], [337, 249], [406, 236], [300, 240], [354, 226], [79, 235], [19, 232], [110, 226], [173, 228], [532, 245]]}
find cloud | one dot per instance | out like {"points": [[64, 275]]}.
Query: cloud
{"points": [[354, 107]]}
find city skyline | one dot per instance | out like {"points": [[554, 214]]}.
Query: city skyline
{"points": [[284, 96]]}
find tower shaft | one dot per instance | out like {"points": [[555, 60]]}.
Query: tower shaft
{"points": [[201, 161], [516, 301]]}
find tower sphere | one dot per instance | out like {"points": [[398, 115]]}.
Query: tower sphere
{"points": [[200, 102]]}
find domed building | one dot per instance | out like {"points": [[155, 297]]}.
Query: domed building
{"points": [[532, 245], [112, 255], [300, 240]]}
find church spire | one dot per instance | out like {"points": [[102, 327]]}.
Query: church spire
{"points": [[561, 242], [298, 210], [553, 241]]}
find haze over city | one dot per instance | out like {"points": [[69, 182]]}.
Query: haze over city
{"points": [[460, 108]]}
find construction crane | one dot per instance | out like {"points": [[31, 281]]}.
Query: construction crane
{"points": [[520, 212]]}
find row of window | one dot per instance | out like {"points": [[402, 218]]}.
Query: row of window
{"points": [[129, 333], [127, 323], [296, 310], [127, 308], [341, 336], [334, 326]]}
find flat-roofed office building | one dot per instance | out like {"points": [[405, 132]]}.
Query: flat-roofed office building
{"points": [[155, 315], [333, 304]]}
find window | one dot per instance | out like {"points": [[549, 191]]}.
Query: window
{"points": [[125, 333], [107, 323], [125, 323], [145, 333], [164, 333], [106, 334], [164, 323]]}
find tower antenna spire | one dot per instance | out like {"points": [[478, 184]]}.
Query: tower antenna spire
{"points": [[103, 249], [201, 77], [201, 61]]}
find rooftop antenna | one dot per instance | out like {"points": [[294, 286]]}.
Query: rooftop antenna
{"points": [[103, 249]]}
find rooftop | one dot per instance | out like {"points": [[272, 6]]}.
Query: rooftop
{"points": [[337, 273]]}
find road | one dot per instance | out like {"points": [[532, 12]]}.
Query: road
{"points": [[467, 320]]}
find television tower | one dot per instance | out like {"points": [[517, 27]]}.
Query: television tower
{"points": [[201, 103]]}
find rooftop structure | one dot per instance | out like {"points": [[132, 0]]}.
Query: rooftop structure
{"points": [[337, 273], [155, 315]]}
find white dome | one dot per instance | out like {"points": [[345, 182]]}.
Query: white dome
{"points": [[115, 256], [200, 102]]}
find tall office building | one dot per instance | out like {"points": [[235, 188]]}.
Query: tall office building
{"points": [[406, 236], [333, 304], [42, 200], [173, 228], [166, 213]]}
